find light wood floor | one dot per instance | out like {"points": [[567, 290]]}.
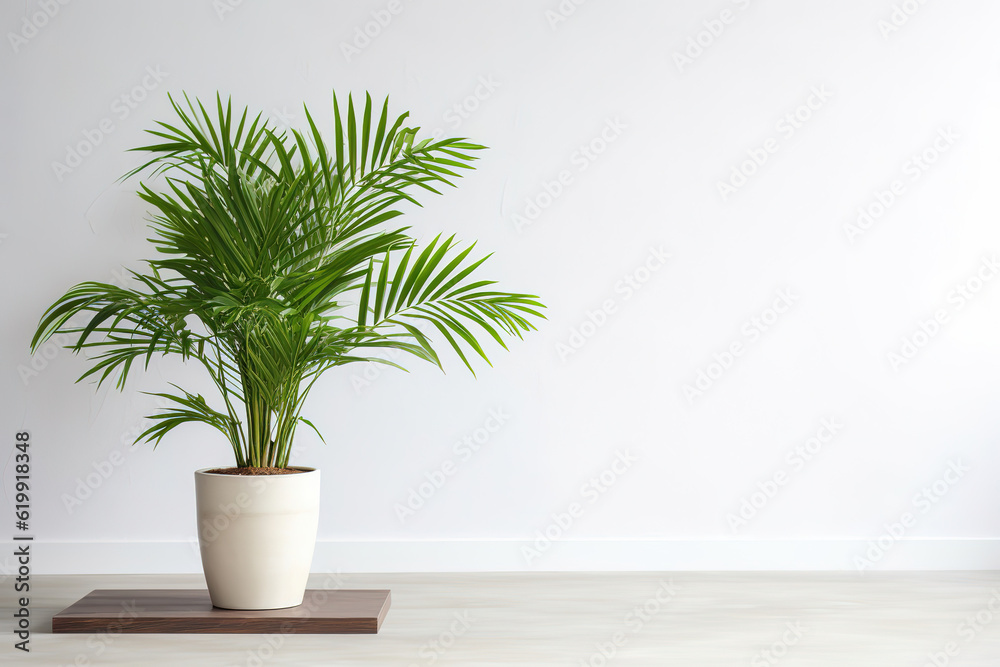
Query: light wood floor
{"points": [[573, 619]]}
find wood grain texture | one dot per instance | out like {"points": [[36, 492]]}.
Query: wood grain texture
{"points": [[191, 611]]}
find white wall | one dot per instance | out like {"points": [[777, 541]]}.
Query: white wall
{"points": [[880, 97]]}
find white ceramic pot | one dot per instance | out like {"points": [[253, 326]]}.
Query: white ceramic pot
{"points": [[257, 535]]}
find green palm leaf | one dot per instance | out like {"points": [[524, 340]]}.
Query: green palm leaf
{"points": [[278, 259]]}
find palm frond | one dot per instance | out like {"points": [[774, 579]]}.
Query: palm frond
{"points": [[283, 248]]}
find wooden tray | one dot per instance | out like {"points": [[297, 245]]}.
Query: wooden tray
{"points": [[191, 611]]}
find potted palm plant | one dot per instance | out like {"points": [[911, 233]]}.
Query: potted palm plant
{"points": [[280, 258]]}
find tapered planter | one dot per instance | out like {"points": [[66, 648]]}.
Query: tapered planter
{"points": [[257, 536]]}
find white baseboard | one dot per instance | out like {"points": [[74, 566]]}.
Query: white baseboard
{"points": [[563, 555]]}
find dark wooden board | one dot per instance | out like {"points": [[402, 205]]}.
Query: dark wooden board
{"points": [[191, 611]]}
